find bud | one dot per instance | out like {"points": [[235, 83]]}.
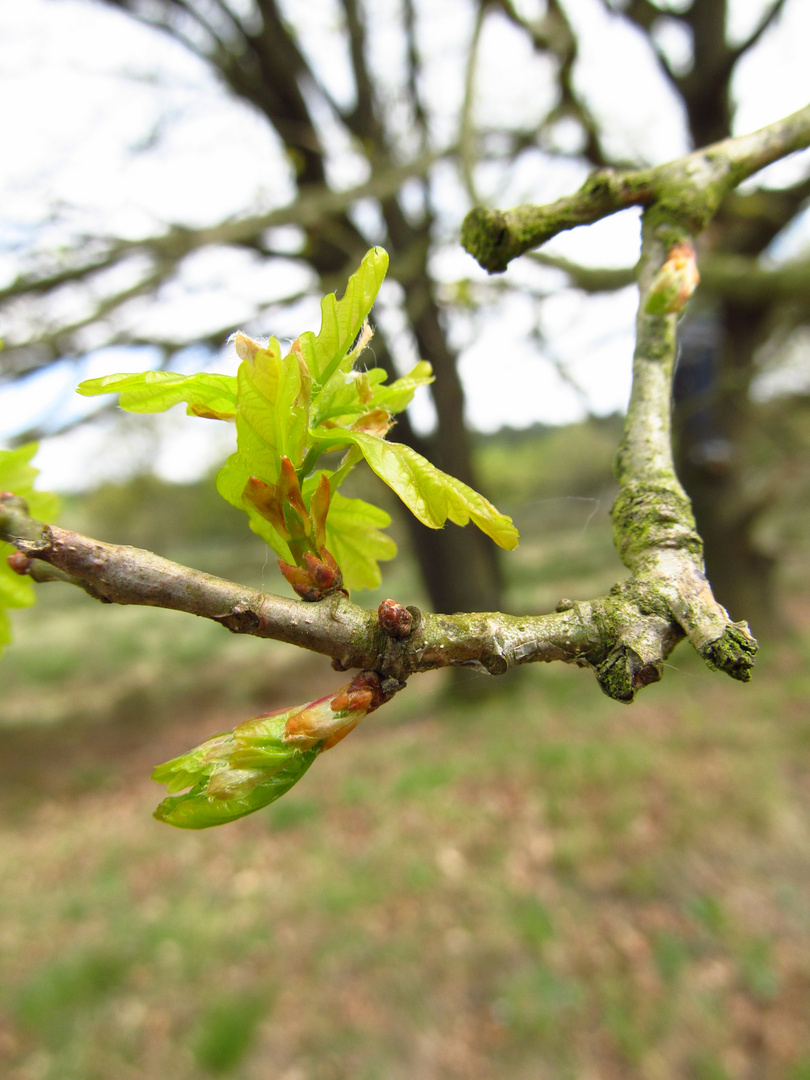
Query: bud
{"points": [[394, 619], [246, 348], [674, 283], [267, 499], [19, 562], [377, 422], [316, 579], [241, 771]]}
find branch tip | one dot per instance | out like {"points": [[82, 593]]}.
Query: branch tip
{"points": [[734, 652]]}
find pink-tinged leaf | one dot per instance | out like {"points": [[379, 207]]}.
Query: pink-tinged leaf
{"points": [[291, 493], [266, 498]]}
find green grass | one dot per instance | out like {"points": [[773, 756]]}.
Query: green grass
{"points": [[531, 884], [542, 883]]}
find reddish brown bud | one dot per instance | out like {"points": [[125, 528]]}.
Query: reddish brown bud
{"points": [[363, 687], [395, 620], [19, 563], [350, 700], [267, 500], [316, 579], [321, 575], [290, 489]]}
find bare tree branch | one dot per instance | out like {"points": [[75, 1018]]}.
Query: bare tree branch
{"points": [[554, 34], [624, 636], [739, 278], [767, 20], [694, 185]]}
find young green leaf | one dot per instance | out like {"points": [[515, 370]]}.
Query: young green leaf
{"points": [[232, 481], [270, 422], [348, 395], [18, 475], [353, 536], [431, 495], [209, 396], [342, 320], [398, 396]]}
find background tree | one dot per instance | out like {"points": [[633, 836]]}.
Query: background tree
{"points": [[385, 117]]}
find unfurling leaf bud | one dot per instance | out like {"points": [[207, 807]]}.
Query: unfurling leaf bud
{"points": [[291, 491], [316, 579], [246, 348], [232, 775], [318, 509], [674, 283]]}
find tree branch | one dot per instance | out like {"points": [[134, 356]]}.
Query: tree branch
{"points": [[179, 240], [766, 21], [624, 636], [689, 189], [495, 237]]}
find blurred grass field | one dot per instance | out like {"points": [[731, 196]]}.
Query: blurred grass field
{"points": [[534, 883]]}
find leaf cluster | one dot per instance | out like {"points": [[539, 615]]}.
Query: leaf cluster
{"points": [[291, 411]]}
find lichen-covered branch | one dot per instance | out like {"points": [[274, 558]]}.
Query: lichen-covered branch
{"points": [[654, 529], [688, 190], [495, 237], [624, 636]]}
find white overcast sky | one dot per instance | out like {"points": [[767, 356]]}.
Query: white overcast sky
{"points": [[123, 125]]}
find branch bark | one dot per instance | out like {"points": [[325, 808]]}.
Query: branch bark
{"points": [[689, 189], [624, 636]]}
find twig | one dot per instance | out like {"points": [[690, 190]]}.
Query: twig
{"points": [[624, 636], [689, 189]]}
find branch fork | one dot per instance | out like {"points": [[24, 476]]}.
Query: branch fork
{"points": [[624, 636]]}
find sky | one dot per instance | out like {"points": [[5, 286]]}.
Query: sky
{"points": [[125, 131]]}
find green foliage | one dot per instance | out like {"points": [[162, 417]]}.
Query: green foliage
{"points": [[18, 475], [212, 396], [292, 410], [431, 495], [354, 536]]}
